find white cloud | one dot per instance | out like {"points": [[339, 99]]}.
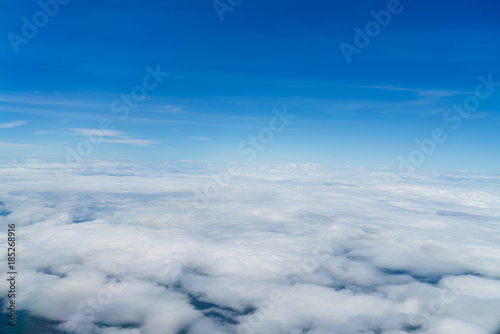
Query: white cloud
{"points": [[97, 132], [20, 145], [131, 141], [434, 93], [44, 132], [113, 137], [280, 249], [12, 124], [171, 109]]}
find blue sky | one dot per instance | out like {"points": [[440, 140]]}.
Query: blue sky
{"points": [[226, 77]]}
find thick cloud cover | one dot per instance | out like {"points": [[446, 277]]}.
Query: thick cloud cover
{"points": [[113, 248]]}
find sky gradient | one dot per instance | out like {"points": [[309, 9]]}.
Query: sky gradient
{"points": [[227, 76]]}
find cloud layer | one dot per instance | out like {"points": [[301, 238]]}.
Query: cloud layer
{"points": [[116, 248]]}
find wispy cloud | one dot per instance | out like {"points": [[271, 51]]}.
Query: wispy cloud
{"points": [[36, 99], [131, 141], [12, 124], [20, 145], [433, 93], [170, 109], [97, 132], [44, 132], [113, 137], [200, 138], [209, 161]]}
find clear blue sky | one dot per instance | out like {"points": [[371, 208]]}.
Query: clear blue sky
{"points": [[227, 76]]}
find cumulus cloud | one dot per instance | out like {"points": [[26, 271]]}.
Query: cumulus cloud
{"points": [[119, 248]]}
